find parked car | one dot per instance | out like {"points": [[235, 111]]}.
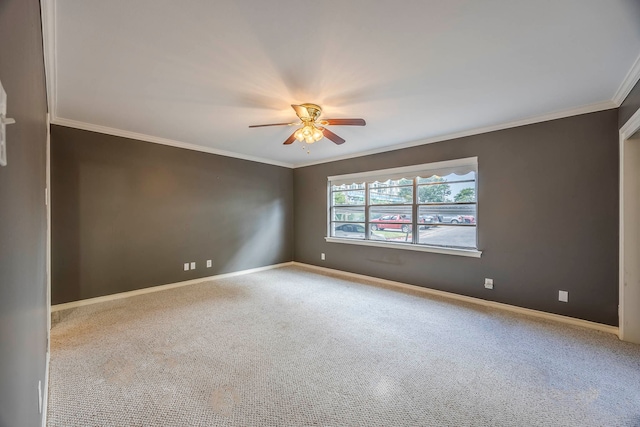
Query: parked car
{"points": [[428, 221], [354, 231], [456, 219], [392, 222], [469, 219], [451, 219]]}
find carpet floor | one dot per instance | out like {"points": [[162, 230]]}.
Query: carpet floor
{"points": [[292, 347]]}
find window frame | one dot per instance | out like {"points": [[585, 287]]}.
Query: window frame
{"points": [[449, 166]]}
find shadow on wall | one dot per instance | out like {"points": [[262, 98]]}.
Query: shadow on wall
{"points": [[262, 240]]}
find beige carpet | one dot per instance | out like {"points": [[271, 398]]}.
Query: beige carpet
{"points": [[291, 347]]}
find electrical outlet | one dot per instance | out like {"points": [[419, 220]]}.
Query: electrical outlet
{"points": [[186, 266], [563, 296], [209, 263], [193, 265], [488, 283], [322, 256]]}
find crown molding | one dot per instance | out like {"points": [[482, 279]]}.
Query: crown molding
{"points": [[48, 13], [48, 17], [591, 108], [630, 127], [630, 80], [157, 140]]}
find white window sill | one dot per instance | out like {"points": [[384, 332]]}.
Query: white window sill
{"points": [[406, 246]]}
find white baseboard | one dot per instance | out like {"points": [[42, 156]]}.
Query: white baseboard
{"points": [[464, 298], [492, 304], [89, 301]]}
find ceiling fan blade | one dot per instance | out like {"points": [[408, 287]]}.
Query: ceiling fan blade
{"points": [[344, 122], [332, 136], [290, 139], [301, 112], [273, 124]]}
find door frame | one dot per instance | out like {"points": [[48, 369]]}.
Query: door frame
{"points": [[626, 314]]}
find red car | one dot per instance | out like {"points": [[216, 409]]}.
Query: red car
{"points": [[392, 222]]}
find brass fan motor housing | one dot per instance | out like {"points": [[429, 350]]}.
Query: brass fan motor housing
{"points": [[314, 111]]}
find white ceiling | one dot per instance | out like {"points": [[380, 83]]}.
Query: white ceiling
{"points": [[198, 73]]}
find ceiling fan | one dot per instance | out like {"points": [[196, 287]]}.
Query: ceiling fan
{"points": [[312, 129]]}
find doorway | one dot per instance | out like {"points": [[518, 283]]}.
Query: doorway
{"points": [[629, 310]]}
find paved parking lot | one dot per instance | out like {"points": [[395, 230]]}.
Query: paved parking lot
{"points": [[441, 235]]}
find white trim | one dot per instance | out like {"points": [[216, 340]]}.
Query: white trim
{"points": [[477, 131], [591, 108], [472, 300], [621, 240], [48, 12], [467, 161], [48, 245], [407, 246], [48, 273], [631, 126], [163, 141], [81, 303], [628, 129], [628, 83], [48, 17], [45, 398]]}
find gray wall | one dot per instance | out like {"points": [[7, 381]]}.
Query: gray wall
{"points": [[630, 105], [127, 214], [547, 214], [23, 310]]}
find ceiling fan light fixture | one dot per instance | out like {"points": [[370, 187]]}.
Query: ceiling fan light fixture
{"points": [[309, 115], [308, 133]]}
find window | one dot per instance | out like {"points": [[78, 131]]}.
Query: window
{"points": [[431, 207]]}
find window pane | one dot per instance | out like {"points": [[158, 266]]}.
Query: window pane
{"points": [[377, 212], [392, 235], [447, 192], [348, 213], [390, 222], [348, 197], [453, 237], [463, 192], [436, 193], [447, 214], [381, 235], [354, 186], [350, 231], [386, 195]]}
